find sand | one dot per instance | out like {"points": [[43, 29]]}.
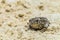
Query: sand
{"points": [[15, 14]]}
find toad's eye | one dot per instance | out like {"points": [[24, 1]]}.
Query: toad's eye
{"points": [[39, 23], [36, 20]]}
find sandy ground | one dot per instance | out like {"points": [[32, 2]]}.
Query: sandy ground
{"points": [[15, 14]]}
